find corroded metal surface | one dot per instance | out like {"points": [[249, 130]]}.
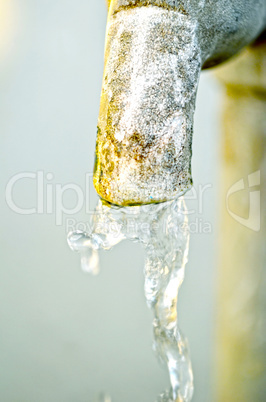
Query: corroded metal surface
{"points": [[224, 26], [154, 53], [147, 105]]}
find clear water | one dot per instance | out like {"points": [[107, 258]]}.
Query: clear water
{"points": [[162, 229]]}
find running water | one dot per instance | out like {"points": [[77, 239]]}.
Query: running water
{"points": [[163, 231]]}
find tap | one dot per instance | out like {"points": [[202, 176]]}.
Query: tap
{"points": [[154, 53]]}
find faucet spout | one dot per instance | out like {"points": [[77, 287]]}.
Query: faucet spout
{"points": [[154, 53]]}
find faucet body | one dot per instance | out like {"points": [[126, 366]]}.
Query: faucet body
{"points": [[155, 50], [223, 26]]}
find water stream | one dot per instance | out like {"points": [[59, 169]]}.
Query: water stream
{"points": [[162, 229]]}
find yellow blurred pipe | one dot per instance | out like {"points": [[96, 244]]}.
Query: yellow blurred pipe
{"points": [[241, 322]]}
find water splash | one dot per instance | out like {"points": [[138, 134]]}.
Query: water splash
{"points": [[163, 231]]}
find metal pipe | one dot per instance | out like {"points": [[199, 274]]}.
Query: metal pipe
{"points": [[155, 50]]}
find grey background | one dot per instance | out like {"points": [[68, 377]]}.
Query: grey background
{"points": [[66, 336]]}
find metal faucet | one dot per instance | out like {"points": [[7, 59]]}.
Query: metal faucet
{"points": [[154, 52]]}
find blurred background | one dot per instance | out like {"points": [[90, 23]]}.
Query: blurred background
{"points": [[66, 336]]}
